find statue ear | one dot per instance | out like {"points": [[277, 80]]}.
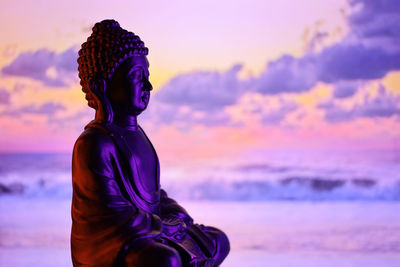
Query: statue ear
{"points": [[104, 112]]}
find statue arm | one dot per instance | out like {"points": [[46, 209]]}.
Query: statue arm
{"points": [[98, 201], [171, 210]]}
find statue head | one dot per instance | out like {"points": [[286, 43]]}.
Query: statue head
{"points": [[129, 88], [113, 71]]}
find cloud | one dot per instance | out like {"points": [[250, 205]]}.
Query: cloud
{"points": [[275, 116], [49, 109], [351, 59], [376, 23], [262, 108], [287, 74], [354, 61], [198, 97], [183, 116], [384, 104], [345, 89], [370, 50], [76, 120], [363, 54], [204, 97], [201, 97], [53, 69], [203, 90], [4, 97]]}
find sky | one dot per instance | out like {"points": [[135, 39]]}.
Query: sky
{"points": [[229, 77]]}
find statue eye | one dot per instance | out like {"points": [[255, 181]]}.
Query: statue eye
{"points": [[137, 75]]}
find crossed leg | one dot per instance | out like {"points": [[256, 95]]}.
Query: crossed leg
{"points": [[152, 253], [221, 242]]}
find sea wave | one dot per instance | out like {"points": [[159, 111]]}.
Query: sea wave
{"points": [[295, 188], [297, 179], [290, 188]]}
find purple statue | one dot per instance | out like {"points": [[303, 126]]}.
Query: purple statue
{"points": [[120, 215]]}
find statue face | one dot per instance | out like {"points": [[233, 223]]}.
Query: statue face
{"points": [[129, 89]]}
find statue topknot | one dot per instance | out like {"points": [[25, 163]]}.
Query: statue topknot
{"points": [[105, 49]]}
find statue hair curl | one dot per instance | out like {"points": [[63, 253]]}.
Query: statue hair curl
{"points": [[105, 49]]}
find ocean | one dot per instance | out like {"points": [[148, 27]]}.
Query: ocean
{"points": [[279, 208]]}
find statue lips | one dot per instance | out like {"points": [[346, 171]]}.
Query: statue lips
{"points": [[146, 97]]}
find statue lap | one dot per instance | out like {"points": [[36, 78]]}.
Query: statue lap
{"points": [[150, 252], [143, 252]]}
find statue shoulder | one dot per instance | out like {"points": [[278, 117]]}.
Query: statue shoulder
{"points": [[94, 141]]}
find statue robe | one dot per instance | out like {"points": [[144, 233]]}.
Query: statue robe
{"points": [[110, 209]]}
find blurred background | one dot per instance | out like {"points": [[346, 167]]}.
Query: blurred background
{"points": [[276, 121]]}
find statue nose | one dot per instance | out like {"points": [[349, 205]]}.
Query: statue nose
{"points": [[148, 85]]}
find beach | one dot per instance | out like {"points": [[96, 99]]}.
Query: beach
{"points": [[280, 233]]}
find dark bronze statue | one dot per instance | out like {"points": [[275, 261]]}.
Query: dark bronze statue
{"points": [[120, 215]]}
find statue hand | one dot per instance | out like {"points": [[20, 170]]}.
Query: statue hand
{"points": [[183, 217], [174, 226], [188, 220]]}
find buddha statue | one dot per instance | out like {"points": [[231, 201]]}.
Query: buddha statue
{"points": [[120, 215]]}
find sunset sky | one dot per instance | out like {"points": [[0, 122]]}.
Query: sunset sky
{"points": [[229, 77]]}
